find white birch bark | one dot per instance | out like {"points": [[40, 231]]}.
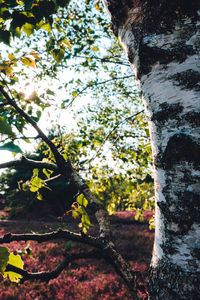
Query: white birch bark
{"points": [[162, 42]]}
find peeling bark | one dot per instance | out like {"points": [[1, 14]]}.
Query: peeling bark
{"points": [[162, 41]]}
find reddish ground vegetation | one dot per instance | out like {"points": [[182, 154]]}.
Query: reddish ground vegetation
{"points": [[80, 281]]}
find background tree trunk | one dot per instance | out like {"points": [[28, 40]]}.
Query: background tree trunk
{"points": [[162, 41]]}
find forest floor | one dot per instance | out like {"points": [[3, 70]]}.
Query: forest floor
{"points": [[84, 279]]}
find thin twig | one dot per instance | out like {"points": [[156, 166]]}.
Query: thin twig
{"points": [[94, 84], [107, 60], [111, 132]]}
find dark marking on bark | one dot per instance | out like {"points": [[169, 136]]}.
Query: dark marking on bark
{"points": [[180, 147], [184, 216], [196, 251], [193, 118], [162, 15], [176, 283], [188, 79], [158, 17], [189, 209], [149, 56], [185, 203], [167, 112]]}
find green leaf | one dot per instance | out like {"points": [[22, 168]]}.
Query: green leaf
{"points": [[39, 196], [74, 94], [46, 173], [25, 187], [67, 43], [36, 183], [46, 27], [95, 48], [82, 200], [12, 57], [5, 127], [50, 92], [5, 36], [28, 29], [86, 221], [4, 257], [84, 230], [35, 172], [10, 146], [17, 32], [58, 54], [14, 260], [75, 214]]}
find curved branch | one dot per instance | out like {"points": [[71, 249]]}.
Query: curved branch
{"points": [[58, 157], [29, 162], [106, 250], [105, 246], [46, 276]]}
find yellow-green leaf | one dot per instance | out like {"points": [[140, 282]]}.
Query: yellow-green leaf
{"points": [[82, 200], [46, 26], [28, 29], [35, 55], [67, 43], [86, 221], [58, 54], [95, 48], [84, 230], [9, 71], [74, 94], [14, 260], [4, 257], [39, 196], [12, 57], [28, 61]]}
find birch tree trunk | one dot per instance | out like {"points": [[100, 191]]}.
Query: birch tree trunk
{"points": [[162, 41]]}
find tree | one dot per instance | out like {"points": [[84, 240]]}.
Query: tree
{"points": [[26, 23], [161, 39], [162, 43]]}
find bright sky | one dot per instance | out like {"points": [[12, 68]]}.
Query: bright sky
{"points": [[64, 117]]}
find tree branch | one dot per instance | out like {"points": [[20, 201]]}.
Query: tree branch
{"points": [[58, 157], [53, 235], [105, 59], [66, 169], [103, 242], [46, 276], [52, 178], [32, 163]]}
